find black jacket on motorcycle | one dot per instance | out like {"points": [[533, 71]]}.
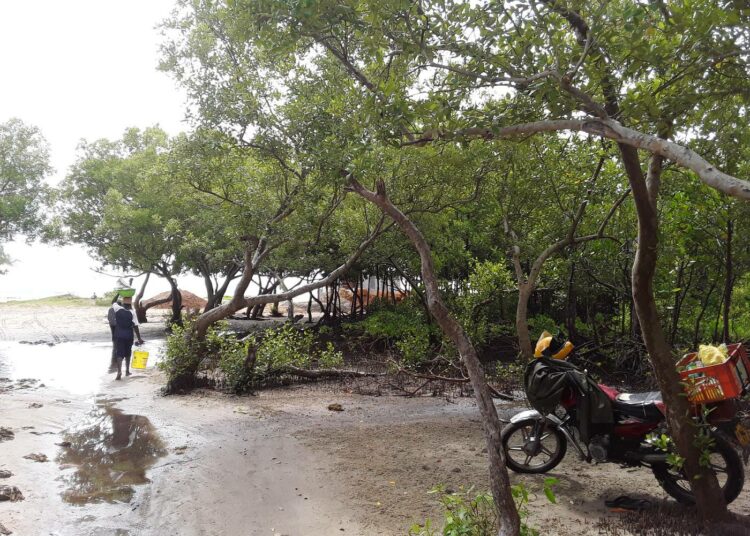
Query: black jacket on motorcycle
{"points": [[546, 381]]}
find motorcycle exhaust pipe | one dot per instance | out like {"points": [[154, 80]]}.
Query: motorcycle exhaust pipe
{"points": [[646, 458]]}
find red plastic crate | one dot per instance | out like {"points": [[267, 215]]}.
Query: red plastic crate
{"points": [[712, 383]]}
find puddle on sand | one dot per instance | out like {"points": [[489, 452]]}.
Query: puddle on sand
{"points": [[76, 367], [109, 453]]}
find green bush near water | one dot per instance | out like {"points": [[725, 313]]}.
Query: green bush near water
{"points": [[277, 351]]}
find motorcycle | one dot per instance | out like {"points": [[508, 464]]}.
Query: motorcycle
{"points": [[605, 425]]}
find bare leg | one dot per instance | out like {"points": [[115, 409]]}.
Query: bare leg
{"points": [[127, 366], [119, 369]]}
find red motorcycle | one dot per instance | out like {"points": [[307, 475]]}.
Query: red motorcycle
{"points": [[605, 425]]}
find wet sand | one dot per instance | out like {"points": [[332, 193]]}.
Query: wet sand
{"points": [[124, 460]]}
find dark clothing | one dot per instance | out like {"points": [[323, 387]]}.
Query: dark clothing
{"points": [[123, 348], [114, 347], [123, 333], [124, 325], [111, 316], [112, 324], [547, 381]]}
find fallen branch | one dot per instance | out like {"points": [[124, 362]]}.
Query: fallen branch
{"points": [[326, 373], [448, 379]]}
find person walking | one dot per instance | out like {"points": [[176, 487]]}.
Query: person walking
{"points": [[126, 326], [112, 323]]}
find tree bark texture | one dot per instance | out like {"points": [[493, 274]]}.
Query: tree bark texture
{"points": [[611, 129], [255, 251], [140, 312], [176, 297], [508, 519], [217, 295], [709, 499]]}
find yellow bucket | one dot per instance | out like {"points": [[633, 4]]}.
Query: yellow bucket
{"points": [[140, 359]]}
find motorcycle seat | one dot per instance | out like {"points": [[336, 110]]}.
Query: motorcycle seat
{"points": [[640, 405], [648, 397]]}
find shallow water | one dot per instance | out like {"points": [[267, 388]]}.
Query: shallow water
{"points": [[76, 367], [106, 454]]}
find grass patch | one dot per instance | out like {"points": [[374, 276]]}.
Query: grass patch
{"points": [[64, 300]]}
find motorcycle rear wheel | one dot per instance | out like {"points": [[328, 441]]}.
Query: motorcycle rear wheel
{"points": [[726, 464], [553, 447]]}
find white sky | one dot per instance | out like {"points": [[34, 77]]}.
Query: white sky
{"points": [[80, 69]]}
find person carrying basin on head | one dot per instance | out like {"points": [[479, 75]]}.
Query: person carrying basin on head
{"points": [[112, 324], [126, 325]]}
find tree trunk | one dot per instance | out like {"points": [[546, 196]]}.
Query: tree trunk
{"points": [[176, 297], [323, 308], [289, 303], [508, 518], [362, 295], [377, 282], [729, 281], [140, 312], [252, 257], [336, 299], [709, 499], [353, 301], [219, 293], [522, 321], [527, 283], [210, 292], [327, 313]]}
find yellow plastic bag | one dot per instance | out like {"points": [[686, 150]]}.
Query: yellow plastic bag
{"points": [[545, 339], [541, 345], [712, 355]]}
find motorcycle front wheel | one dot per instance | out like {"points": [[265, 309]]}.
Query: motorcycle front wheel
{"points": [[725, 462], [523, 457]]}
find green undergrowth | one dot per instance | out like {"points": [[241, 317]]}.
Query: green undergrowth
{"points": [[468, 513], [247, 363]]}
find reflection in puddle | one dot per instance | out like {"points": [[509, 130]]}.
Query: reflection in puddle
{"points": [[110, 452]]}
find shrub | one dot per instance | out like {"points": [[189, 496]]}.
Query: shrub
{"points": [[283, 347], [467, 514], [415, 347], [181, 359], [330, 357], [404, 327], [480, 309], [233, 363], [276, 351], [539, 323]]}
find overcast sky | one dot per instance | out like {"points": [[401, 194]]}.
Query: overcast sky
{"points": [[80, 69]]}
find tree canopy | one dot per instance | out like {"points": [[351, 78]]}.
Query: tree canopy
{"points": [[24, 163]]}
